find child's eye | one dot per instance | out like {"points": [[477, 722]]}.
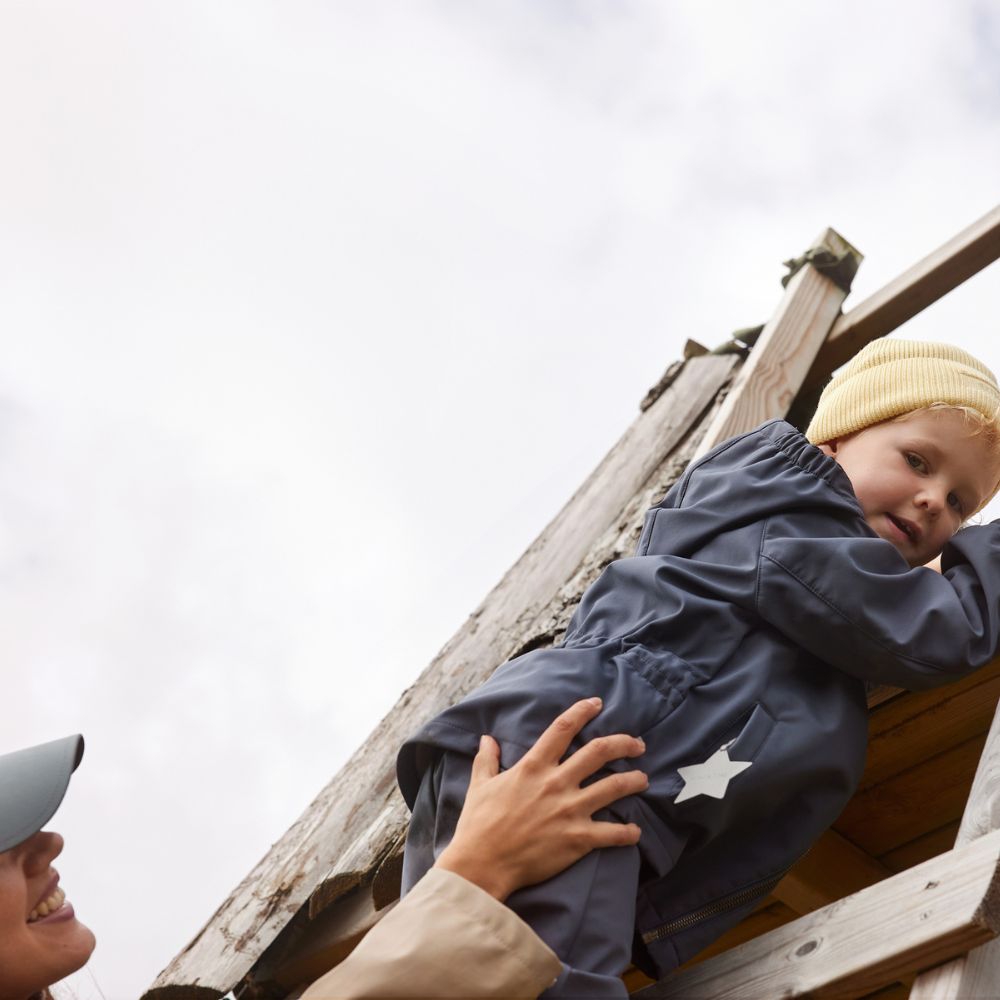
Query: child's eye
{"points": [[916, 462], [954, 502]]}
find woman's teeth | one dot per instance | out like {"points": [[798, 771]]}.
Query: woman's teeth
{"points": [[50, 905]]}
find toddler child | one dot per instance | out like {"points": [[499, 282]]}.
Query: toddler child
{"points": [[778, 575]]}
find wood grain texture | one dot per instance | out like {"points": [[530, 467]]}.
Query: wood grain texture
{"points": [[353, 826], [927, 723], [922, 848], [912, 921], [912, 803], [781, 358], [832, 869], [977, 974], [974, 248]]}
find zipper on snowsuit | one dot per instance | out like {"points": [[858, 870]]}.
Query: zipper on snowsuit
{"points": [[735, 899]]}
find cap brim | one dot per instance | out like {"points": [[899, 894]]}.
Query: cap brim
{"points": [[32, 784]]}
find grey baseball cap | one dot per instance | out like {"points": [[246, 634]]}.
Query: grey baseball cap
{"points": [[32, 784]]}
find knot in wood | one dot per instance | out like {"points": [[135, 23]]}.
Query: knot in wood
{"points": [[806, 948]]}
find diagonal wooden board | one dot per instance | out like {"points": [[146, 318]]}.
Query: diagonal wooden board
{"points": [[355, 821], [906, 923], [354, 824]]}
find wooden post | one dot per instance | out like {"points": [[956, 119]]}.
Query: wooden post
{"points": [[964, 255], [975, 976], [782, 357]]}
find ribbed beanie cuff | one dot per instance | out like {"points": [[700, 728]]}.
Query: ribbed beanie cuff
{"points": [[891, 377]]}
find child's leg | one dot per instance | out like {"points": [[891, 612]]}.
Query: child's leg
{"points": [[585, 914]]}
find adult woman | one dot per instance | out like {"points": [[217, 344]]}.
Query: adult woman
{"points": [[517, 828], [41, 941]]}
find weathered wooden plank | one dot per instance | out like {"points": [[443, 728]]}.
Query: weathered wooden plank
{"points": [[352, 826], [909, 922], [296, 959], [785, 351], [832, 869], [928, 280], [982, 814], [914, 802], [976, 975]]}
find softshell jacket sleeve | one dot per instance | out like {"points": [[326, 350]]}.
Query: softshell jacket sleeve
{"points": [[854, 603], [447, 938]]}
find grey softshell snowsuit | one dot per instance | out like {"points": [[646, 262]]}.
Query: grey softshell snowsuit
{"points": [[757, 605]]}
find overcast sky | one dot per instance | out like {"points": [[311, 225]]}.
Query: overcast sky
{"points": [[313, 314]]}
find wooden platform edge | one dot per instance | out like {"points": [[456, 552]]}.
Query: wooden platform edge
{"points": [[904, 924]]}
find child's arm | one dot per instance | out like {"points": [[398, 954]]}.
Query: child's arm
{"points": [[853, 603]]}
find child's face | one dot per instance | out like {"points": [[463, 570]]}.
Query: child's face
{"points": [[919, 478]]}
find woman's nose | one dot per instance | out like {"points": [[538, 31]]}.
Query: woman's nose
{"points": [[41, 850]]}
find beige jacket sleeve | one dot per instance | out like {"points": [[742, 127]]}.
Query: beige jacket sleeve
{"points": [[447, 938]]}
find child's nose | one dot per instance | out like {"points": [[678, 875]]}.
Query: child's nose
{"points": [[932, 499]]}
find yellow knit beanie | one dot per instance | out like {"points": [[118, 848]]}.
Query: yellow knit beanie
{"points": [[891, 377]]}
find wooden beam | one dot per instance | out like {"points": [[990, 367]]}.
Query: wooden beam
{"points": [[930, 279], [350, 830], [832, 869], [912, 803], [922, 848], [922, 725], [977, 974], [784, 353], [907, 923]]}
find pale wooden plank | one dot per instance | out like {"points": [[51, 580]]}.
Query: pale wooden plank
{"points": [[974, 248], [982, 814], [976, 974], [909, 922], [781, 358], [354, 823]]}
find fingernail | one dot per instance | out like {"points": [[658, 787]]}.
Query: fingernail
{"points": [[482, 742], [641, 742], [595, 701]]}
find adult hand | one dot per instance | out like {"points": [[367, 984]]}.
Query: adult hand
{"points": [[532, 821]]}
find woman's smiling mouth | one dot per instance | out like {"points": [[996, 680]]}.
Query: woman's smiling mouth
{"points": [[50, 907]]}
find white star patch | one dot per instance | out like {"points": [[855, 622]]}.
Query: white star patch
{"points": [[711, 778]]}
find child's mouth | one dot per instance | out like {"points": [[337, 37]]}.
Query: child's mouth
{"points": [[903, 527]]}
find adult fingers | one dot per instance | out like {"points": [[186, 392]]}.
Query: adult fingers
{"points": [[486, 763], [598, 752], [612, 788], [554, 742], [600, 834]]}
